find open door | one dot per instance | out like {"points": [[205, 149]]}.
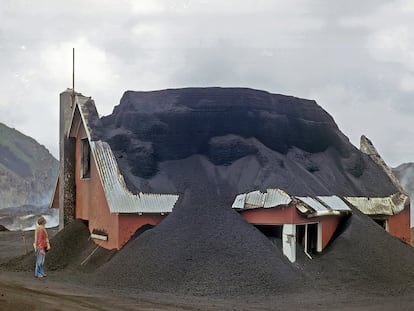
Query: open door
{"points": [[309, 235], [289, 241]]}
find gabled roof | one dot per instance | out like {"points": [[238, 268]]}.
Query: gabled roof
{"points": [[119, 198], [83, 111]]}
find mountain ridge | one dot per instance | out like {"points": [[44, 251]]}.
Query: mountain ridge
{"points": [[27, 170]]}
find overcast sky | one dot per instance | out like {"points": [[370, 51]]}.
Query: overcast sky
{"points": [[355, 58]]}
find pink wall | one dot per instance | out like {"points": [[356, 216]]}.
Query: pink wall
{"points": [[274, 216], [399, 225], [290, 215], [329, 225], [91, 204], [130, 223]]}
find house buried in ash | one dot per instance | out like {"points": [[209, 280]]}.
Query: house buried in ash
{"points": [[90, 185], [129, 169]]}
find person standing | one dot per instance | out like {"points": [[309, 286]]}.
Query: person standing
{"points": [[41, 245]]}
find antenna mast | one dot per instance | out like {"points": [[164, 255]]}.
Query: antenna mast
{"points": [[73, 76]]}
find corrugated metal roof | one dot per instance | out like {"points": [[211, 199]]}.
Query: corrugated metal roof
{"points": [[314, 204], [322, 206], [257, 199], [276, 197], [311, 207], [119, 198], [371, 206], [335, 203], [390, 205], [239, 201]]}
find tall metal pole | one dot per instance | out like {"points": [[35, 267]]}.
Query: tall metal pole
{"points": [[73, 70], [73, 77]]}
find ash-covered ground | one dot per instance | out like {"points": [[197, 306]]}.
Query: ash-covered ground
{"points": [[209, 145]]}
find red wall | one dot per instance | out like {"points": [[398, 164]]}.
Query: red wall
{"points": [[290, 215], [130, 223], [399, 225], [91, 205], [329, 225], [274, 216]]}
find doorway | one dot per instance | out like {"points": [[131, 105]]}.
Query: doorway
{"points": [[307, 235]]}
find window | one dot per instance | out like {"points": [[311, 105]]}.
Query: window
{"points": [[85, 159], [382, 222]]}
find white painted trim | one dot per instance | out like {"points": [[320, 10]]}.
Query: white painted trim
{"points": [[306, 242], [319, 238], [289, 241], [99, 237]]}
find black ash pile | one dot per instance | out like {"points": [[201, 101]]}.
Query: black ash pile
{"points": [[209, 145], [363, 257], [252, 139], [202, 248]]}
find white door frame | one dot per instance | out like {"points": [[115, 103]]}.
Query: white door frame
{"points": [[289, 241]]}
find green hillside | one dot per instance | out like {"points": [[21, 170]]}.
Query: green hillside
{"points": [[27, 170]]}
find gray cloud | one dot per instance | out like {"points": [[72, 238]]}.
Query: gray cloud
{"points": [[354, 58]]}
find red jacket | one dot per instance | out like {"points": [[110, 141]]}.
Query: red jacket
{"points": [[42, 238]]}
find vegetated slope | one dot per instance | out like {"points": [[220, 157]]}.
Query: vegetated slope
{"points": [[27, 170], [405, 174]]}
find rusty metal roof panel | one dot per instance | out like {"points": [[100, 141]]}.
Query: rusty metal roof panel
{"points": [[335, 203], [372, 206], [239, 201], [276, 197], [120, 199], [390, 205], [256, 199]]}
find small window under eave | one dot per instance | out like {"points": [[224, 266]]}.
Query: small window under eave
{"points": [[85, 158]]}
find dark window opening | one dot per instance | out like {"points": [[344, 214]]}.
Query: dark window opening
{"points": [[309, 239], [272, 232], [382, 223], [85, 158]]}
